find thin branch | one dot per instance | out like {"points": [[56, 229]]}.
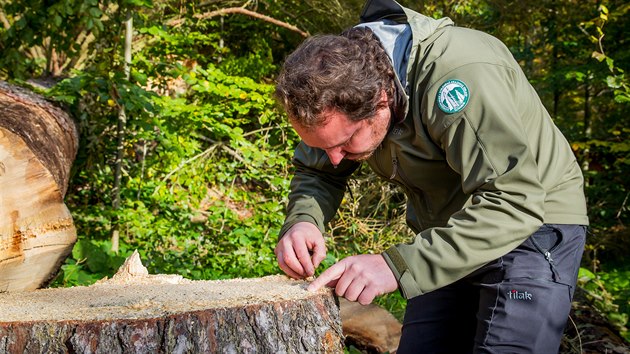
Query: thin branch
{"points": [[144, 155], [120, 133], [227, 149], [623, 206], [242, 11], [266, 129], [577, 330], [122, 115], [182, 164]]}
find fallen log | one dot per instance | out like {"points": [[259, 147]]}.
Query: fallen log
{"points": [[369, 328], [38, 143], [140, 313]]}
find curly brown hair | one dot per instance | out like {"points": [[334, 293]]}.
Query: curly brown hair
{"points": [[344, 72]]}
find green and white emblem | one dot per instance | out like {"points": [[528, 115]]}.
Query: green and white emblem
{"points": [[452, 96]]}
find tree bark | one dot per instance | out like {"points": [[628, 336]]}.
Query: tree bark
{"points": [[162, 314], [38, 143]]}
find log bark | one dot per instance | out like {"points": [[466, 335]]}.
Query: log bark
{"points": [[369, 328], [165, 314], [38, 143]]}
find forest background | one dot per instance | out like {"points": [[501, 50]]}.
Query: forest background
{"points": [[185, 156]]}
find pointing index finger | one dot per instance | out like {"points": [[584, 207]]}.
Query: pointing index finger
{"points": [[329, 276]]}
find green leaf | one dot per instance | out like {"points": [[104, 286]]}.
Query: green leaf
{"points": [[586, 274], [599, 56], [95, 12]]}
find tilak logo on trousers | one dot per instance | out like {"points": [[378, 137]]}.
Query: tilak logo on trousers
{"points": [[452, 96], [519, 295]]}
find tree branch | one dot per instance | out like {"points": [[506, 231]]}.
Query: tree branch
{"points": [[242, 11]]}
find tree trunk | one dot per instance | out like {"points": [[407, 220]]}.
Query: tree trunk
{"points": [[166, 314], [38, 143]]}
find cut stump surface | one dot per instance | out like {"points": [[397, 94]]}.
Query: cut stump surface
{"points": [[169, 315]]}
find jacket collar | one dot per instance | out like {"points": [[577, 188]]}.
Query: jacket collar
{"points": [[400, 31], [375, 10]]}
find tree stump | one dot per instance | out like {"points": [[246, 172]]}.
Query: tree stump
{"points": [[140, 313], [38, 143]]}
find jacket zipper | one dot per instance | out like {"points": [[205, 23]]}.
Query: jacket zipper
{"points": [[394, 165]]}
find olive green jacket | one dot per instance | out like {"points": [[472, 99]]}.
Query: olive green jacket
{"points": [[478, 156]]}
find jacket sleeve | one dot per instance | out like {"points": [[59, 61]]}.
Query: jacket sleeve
{"points": [[317, 188], [487, 145]]}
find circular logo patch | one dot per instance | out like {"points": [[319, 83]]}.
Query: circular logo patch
{"points": [[452, 96]]}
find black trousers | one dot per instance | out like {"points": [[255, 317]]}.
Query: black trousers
{"points": [[518, 303]]}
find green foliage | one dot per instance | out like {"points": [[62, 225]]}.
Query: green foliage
{"points": [[610, 295], [35, 22], [608, 168], [207, 178], [50, 38], [395, 303], [616, 79], [91, 260], [606, 152], [206, 166], [207, 154]]}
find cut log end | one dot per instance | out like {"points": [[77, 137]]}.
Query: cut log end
{"points": [[38, 142], [36, 228]]}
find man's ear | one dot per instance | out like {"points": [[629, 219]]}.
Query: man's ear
{"points": [[384, 100]]}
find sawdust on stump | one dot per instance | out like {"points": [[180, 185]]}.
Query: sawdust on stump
{"points": [[272, 314]]}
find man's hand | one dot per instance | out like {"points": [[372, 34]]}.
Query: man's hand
{"points": [[361, 278], [295, 248]]}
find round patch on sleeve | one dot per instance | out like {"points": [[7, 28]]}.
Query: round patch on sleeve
{"points": [[452, 96]]}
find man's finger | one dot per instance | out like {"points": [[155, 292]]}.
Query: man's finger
{"points": [[329, 276], [367, 295], [304, 258], [288, 271], [289, 264], [354, 290], [319, 253], [346, 280]]}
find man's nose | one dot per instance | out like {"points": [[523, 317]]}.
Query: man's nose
{"points": [[335, 155]]}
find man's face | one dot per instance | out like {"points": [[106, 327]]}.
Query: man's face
{"points": [[342, 138]]}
